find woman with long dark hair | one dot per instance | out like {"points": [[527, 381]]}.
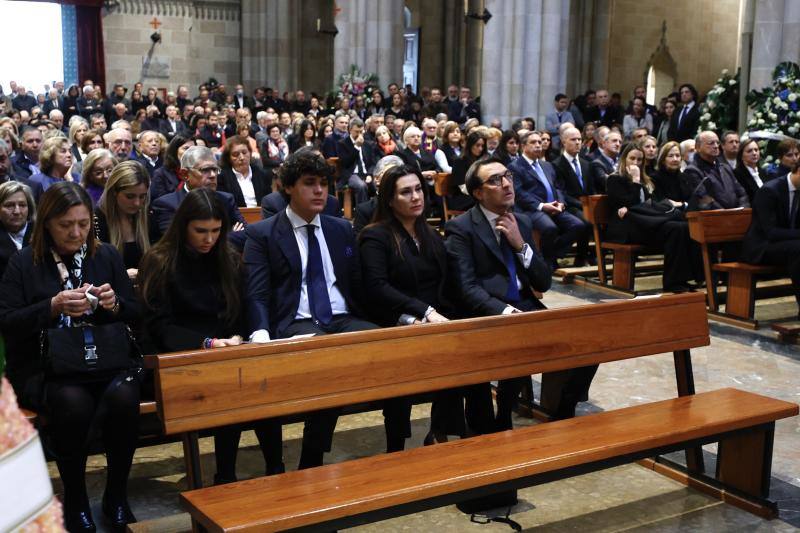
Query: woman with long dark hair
{"points": [[165, 178], [192, 286], [306, 136], [404, 265], [508, 149], [64, 279], [474, 149]]}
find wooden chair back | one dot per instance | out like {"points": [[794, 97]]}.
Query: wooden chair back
{"points": [[441, 186], [251, 214]]}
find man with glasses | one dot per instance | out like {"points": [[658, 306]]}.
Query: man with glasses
{"points": [[709, 184], [120, 143], [199, 169]]}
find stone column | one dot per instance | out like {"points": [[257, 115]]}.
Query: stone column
{"points": [[524, 58], [371, 37], [270, 34], [775, 38]]}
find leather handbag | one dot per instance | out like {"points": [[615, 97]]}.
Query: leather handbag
{"points": [[89, 351]]}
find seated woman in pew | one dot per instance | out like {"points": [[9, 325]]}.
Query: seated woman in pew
{"points": [[639, 219], [239, 176], [122, 215], [404, 265], [747, 171], [474, 149], [17, 213], [668, 176], [192, 286], [96, 167], [64, 278]]}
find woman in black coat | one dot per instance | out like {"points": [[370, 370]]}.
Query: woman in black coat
{"points": [[474, 149], [256, 183], [17, 211], [747, 171], [637, 219], [668, 176], [192, 286], [165, 178], [404, 265], [45, 286]]}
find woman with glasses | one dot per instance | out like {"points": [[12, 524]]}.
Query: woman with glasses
{"points": [[97, 167]]}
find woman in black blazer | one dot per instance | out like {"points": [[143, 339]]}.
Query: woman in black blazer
{"points": [[255, 183], [637, 219], [668, 176], [45, 286], [404, 265], [474, 149], [17, 211], [747, 171], [192, 286]]}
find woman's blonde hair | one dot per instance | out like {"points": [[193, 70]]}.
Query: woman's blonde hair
{"points": [[124, 176], [47, 155], [74, 126]]}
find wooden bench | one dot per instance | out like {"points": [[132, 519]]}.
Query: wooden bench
{"points": [[441, 186], [204, 389], [597, 212], [712, 228], [251, 214], [345, 194]]}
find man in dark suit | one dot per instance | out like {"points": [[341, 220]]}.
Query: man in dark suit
{"points": [[54, 101], [26, 160], [330, 146], [574, 177], [709, 184], [241, 100], [198, 169], [605, 113], [173, 125], [774, 234], [304, 277], [23, 101], [605, 160], [275, 202], [540, 198], [686, 119], [356, 159]]}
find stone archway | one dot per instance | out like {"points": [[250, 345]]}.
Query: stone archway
{"points": [[661, 72]]}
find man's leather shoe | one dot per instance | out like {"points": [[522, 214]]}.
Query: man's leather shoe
{"points": [[118, 514], [79, 521]]}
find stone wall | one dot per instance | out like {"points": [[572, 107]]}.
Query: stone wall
{"points": [[702, 36], [199, 39]]}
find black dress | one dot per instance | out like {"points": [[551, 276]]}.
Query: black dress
{"points": [[456, 199], [668, 186], [131, 251], [646, 223]]}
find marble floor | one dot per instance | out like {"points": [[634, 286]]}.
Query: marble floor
{"points": [[626, 498]]}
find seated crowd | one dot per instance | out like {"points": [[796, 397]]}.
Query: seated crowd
{"points": [[128, 210]]}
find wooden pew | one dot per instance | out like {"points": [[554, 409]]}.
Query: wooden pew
{"points": [[441, 186], [597, 212], [345, 195], [712, 228], [251, 214], [203, 389]]}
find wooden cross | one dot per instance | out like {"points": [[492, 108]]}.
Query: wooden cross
{"points": [[155, 23]]}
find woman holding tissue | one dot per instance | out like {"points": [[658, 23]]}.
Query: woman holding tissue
{"points": [[192, 288], [66, 279]]}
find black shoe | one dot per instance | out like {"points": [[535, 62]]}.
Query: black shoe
{"points": [[79, 521], [118, 514], [219, 479], [680, 288], [280, 468], [432, 438]]}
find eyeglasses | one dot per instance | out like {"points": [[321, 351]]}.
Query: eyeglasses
{"points": [[207, 171], [497, 179]]}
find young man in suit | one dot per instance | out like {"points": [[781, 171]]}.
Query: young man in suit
{"points": [[543, 201], [605, 160], [198, 169], [304, 276], [574, 176], [685, 120], [774, 234], [356, 159]]}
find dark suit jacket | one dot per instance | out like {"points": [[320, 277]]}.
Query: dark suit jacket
{"points": [[151, 168], [425, 161], [21, 166], [770, 220], [248, 102], [688, 127], [529, 191], [272, 260], [165, 206], [600, 170], [747, 182], [330, 146], [476, 262], [24, 103], [8, 248], [348, 158], [613, 115], [49, 106], [169, 133], [164, 181], [275, 202], [568, 181], [262, 184], [364, 213], [703, 180]]}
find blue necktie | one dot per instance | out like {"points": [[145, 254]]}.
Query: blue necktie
{"points": [[512, 292], [793, 209], [577, 167], [540, 174], [319, 301]]}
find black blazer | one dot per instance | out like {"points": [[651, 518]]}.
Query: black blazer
{"points": [[688, 128], [746, 180], [568, 181], [424, 162], [668, 186], [25, 306], [7, 247], [275, 202], [164, 181], [272, 260], [164, 209], [364, 213], [262, 184], [623, 192], [450, 154], [477, 265], [770, 222], [151, 168], [348, 158], [402, 285], [601, 169], [169, 133]]}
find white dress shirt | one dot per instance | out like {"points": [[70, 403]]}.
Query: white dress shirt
{"points": [[246, 185], [19, 237], [756, 177]]}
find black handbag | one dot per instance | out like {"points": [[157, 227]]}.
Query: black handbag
{"points": [[89, 351]]}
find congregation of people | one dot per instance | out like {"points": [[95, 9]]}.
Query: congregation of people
{"points": [[127, 209]]}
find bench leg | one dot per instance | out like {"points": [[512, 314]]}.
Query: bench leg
{"points": [[623, 269], [711, 286], [684, 375], [740, 300], [191, 458], [744, 461]]}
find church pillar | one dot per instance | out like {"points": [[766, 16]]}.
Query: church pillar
{"points": [[775, 31], [473, 49], [371, 37], [270, 30], [524, 58]]}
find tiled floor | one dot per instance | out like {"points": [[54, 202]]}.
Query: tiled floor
{"points": [[627, 498]]}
